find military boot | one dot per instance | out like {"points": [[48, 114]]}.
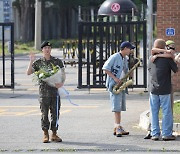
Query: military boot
{"points": [[46, 136], [54, 137]]}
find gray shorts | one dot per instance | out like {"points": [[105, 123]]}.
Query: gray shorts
{"points": [[118, 102]]}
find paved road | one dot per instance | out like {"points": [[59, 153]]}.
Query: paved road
{"points": [[84, 128]]}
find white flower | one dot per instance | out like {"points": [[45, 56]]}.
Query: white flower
{"points": [[58, 77], [51, 75], [41, 75]]}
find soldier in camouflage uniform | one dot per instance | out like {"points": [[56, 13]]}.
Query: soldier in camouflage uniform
{"points": [[49, 98]]}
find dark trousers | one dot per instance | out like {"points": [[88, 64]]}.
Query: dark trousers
{"points": [[51, 104]]}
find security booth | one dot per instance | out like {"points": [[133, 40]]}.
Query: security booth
{"points": [[117, 22], [7, 55]]}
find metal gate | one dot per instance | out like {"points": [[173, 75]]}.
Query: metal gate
{"points": [[7, 55], [99, 40]]}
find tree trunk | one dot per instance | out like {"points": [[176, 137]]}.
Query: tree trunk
{"points": [[25, 19]]}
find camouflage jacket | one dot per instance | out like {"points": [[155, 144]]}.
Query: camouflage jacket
{"points": [[44, 89]]}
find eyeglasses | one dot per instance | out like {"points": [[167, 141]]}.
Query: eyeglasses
{"points": [[171, 48]]}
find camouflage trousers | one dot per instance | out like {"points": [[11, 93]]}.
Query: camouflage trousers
{"points": [[53, 105]]}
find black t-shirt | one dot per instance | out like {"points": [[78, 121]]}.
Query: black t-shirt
{"points": [[160, 75]]}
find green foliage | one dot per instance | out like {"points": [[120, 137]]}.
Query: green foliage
{"points": [[19, 48], [5, 49], [46, 71], [176, 112]]}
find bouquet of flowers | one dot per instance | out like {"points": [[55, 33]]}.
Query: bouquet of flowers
{"points": [[51, 76]]}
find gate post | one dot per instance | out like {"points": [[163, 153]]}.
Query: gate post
{"points": [[12, 55], [80, 29], [11, 47]]}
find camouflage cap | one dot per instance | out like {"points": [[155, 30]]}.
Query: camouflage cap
{"points": [[168, 42]]}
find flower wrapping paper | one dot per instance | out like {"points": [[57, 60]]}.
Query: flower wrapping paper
{"points": [[58, 77]]}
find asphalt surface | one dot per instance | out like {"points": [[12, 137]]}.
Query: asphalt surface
{"points": [[86, 128]]}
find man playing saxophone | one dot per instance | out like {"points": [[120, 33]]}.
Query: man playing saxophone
{"points": [[116, 67]]}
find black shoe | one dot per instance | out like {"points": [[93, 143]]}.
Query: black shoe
{"points": [[148, 136], [168, 138]]}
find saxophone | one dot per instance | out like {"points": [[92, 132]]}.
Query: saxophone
{"points": [[124, 83]]}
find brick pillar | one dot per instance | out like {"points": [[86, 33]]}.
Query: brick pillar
{"points": [[168, 16]]}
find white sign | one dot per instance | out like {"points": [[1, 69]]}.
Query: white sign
{"points": [[170, 31]]}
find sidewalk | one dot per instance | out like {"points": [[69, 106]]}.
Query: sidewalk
{"points": [[84, 128]]}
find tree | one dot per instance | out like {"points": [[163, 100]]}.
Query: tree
{"points": [[26, 15], [59, 17]]}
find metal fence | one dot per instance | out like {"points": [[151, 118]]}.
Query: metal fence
{"points": [[7, 55], [99, 40]]}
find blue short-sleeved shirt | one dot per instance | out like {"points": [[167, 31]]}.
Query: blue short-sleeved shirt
{"points": [[116, 64]]}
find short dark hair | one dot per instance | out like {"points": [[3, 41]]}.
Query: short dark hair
{"points": [[160, 43]]}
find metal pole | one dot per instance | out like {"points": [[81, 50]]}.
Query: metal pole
{"points": [[149, 26], [37, 25], [3, 55], [12, 55], [80, 27], [92, 14], [79, 13], [149, 31]]}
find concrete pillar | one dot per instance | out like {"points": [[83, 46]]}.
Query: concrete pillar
{"points": [[37, 25]]}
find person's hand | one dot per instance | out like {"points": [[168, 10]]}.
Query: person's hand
{"points": [[32, 57], [58, 85], [153, 58], [117, 80], [177, 58], [171, 51], [172, 56]]}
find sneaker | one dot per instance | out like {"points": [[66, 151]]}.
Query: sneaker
{"points": [[120, 131], [123, 131], [114, 132], [155, 138], [148, 136], [168, 138], [117, 132]]}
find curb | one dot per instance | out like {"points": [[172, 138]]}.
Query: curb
{"points": [[145, 120]]}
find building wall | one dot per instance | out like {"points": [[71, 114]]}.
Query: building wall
{"points": [[168, 16]]}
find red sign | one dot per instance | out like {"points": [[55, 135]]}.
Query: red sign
{"points": [[115, 7]]}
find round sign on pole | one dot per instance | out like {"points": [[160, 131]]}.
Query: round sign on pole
{"points": [[115, 7]]}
